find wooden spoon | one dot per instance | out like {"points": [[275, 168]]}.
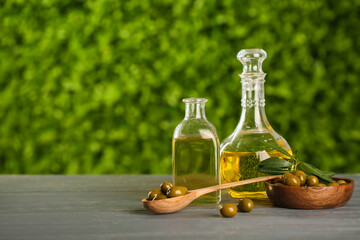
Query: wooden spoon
{"points": [[175, 204]]}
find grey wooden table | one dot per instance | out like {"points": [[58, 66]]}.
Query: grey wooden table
{"points": [[109, 207]]}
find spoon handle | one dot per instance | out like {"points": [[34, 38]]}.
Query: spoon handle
{"points": [[202, 191]]}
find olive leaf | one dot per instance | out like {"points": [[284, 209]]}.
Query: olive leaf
{"points": [[311, 170], [273, 171], [330, 174], [274, 165], [275, 162], [280, 149]]}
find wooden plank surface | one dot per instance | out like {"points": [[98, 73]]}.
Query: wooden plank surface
{"points": [[109, 207]]}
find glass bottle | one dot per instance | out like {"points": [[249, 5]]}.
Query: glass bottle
{"points": [[245, 148], [195, 151]]}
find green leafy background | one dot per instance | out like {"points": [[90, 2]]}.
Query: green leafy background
{"points": [[96, 86]]}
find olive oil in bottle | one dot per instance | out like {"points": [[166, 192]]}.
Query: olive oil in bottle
{"points": [[195, 151], [238, 166], [196, 165]]}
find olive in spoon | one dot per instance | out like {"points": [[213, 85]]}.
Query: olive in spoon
{"points": [[171, 205]]}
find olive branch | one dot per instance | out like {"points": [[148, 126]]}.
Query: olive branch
{"points": [[275, 165]]}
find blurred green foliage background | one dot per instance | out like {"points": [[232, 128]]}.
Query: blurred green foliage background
{"points": [[96, 86]]}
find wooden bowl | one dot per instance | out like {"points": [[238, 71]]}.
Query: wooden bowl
{"points": [[310, 197]]}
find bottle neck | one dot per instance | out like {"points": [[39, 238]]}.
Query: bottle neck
{"points": [[253, 115], [253, 95], [195, 110]]}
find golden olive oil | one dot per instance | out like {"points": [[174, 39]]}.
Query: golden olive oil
{"points": [[196, 165], [237, 166]]}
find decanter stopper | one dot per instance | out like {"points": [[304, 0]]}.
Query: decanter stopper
{"points": [[252, 60]]}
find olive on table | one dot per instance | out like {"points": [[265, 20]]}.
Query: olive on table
{"points": [[341, 182], [155, 194], [165, 187], [333, 184], [176, 191], [312, 180], [320, 185], [228, 210], [301, 175], [292, 181], [245, 205]]}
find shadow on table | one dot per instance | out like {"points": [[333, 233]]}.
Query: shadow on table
{"points": [[202, 210], [182, 214]]}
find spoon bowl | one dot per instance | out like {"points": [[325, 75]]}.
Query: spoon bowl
{"points": [[171, 205]]}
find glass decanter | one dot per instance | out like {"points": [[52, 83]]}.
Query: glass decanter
{"points": [[241, 152], [195, 151]]}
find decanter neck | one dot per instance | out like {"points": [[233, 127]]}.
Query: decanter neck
{"points": [[195, 108], [253, 95], [253, 115], [253, 101]]}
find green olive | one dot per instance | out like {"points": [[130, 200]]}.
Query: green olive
{"points": [[228, 210], [245, 205], [333, 184], [312, 180], [292, 181], [320, 185], [284, 177], [279, 184], [341, 182], [176, 191], [301, 175], [165, 187], [160, 196], [154, 194]]}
